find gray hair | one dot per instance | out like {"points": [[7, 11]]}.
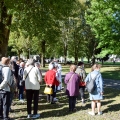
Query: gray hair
{"points": [[30, 62], [51, 66]]}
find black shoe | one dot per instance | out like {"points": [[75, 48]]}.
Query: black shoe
{"points": [[53, 103]]}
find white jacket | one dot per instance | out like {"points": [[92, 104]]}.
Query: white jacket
{"points": [[33, 78]]}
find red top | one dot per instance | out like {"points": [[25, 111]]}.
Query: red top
{"points": [[50, 77]]}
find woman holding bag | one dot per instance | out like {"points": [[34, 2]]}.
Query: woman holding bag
{"points": [[72, 80]]}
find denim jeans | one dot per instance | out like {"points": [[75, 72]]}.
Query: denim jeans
{"points": [[4, 105], [21, 90]]}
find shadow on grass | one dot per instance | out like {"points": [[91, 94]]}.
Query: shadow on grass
{"points": [[111, 74], [114, 107], [61, 108]]}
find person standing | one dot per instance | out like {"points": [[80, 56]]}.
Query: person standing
{"points": [[72, 80], [20, 79], [59, 69], [5, 88], [32, 79], [81, 72], [97, 95], [50, 80]]}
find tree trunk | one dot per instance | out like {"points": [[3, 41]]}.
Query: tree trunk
{"points": [[5, 23], [65, 53], [88, 60], [43, 54]]}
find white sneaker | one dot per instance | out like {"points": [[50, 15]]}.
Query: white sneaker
{"points": [[22, 101], [100, 113], [29, 116], [55, 100], [91, 113], [36, 116]]}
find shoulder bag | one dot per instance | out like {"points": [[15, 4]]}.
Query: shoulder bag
{"points": [[64, 90]]}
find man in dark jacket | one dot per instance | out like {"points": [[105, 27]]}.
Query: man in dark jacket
{"points": [[20, 78]]}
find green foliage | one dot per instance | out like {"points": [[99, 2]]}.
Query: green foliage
{"points": [[103, 18]]}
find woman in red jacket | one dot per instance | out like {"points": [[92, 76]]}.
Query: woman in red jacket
{"points": [[50, 80]]}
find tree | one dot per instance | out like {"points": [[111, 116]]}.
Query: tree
{"points": [[105, 27]]}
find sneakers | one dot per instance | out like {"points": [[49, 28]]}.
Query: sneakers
{"points": [[22, 101], [100, 113], [55, 100], [36, 116], [29, 116], [91, 113]]}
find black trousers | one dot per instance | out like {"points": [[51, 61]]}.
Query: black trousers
{"points": [[82, 90], [32, 94], [72, 102], [4, 105], [51, 97]]}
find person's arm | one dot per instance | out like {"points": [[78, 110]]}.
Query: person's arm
{"points": [[66, 79], [87, 78], [24, 74], [6, 75], [39, 76], [101, 83]]}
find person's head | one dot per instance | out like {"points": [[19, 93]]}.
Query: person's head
{"points": [[96, 66], [13, 58], [18, 62], [73, 68], [81, 64], [37, 64], [22, 64], [50, 66], [55, 65], [5, 61], [30, 62]]}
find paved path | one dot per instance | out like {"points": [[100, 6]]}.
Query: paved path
{"points": [[112, 83]]}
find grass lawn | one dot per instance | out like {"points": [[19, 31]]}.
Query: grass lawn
{"points": [[108, 72], [59, 111]]}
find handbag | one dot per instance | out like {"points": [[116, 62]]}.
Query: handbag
{"points": [[64, 90], [48, 90], [82, 83]]}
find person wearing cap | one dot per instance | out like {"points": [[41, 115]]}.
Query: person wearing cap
{"points": [[5, 88], [81, 72], [32, 79]]}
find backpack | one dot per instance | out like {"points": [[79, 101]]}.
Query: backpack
{"points": [[90, 85], [13, 83]]}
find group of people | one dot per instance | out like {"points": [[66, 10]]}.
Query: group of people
{"points": [[76, 81], [13, 74], [28, 77]]}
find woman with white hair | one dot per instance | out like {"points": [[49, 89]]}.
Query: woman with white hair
{"points": [[32, 79], [50, 80]]}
